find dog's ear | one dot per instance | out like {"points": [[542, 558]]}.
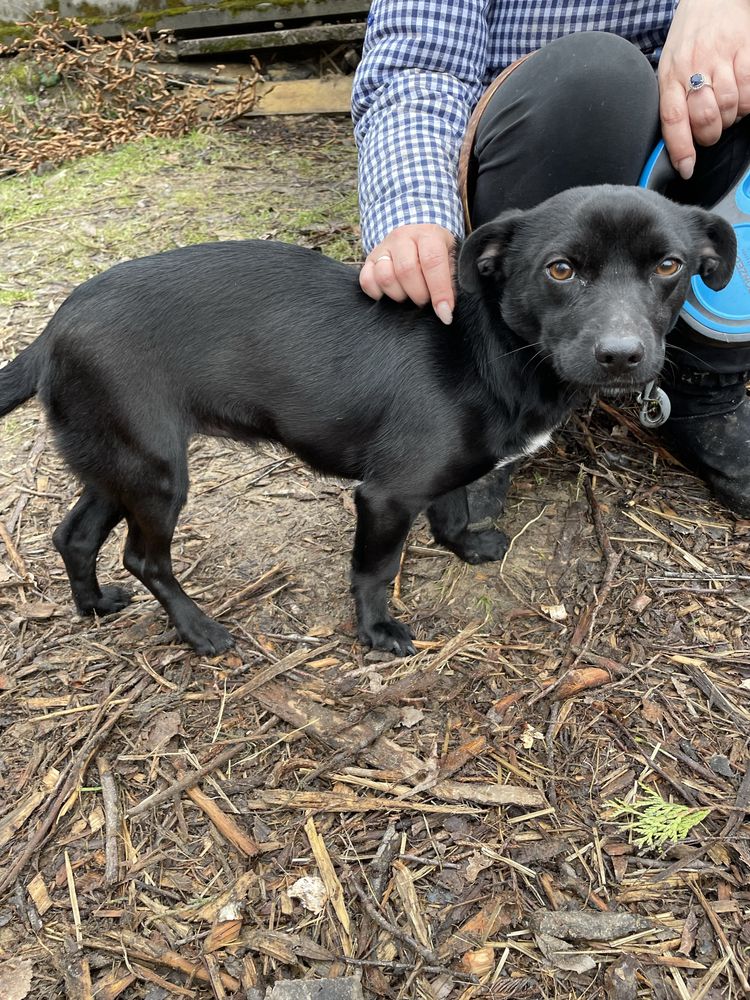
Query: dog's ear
{"points": [[717, 248], [481, 254]]}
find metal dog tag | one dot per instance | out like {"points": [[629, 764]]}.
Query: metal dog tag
{"points": [[655, 406]]}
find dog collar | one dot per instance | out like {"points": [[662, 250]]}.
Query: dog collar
{"points": [[723, 315]]}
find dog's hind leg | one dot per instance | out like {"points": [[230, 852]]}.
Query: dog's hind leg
{"points": [[78, 540], [151, 521], [382, 526], [449, 521]]}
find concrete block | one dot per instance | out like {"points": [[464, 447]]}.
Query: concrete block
{"points": [[346, 988]]}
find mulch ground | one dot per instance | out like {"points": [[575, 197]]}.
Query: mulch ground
{"points": [[443, 825]]}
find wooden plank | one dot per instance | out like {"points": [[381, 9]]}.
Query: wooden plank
{"points": [[310, 35], [304, 97], [176, 17]]}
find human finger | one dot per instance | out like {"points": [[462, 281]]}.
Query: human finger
{"points": [[742, 78], [368, 282], [675, 125], [726, 93], [385, 276], [408, 271], [704, 114], [434, 256]]}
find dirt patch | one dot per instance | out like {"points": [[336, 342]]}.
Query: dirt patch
{"points": [[440, 801]]}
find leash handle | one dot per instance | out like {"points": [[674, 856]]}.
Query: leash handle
{"points": [[655, 405]]}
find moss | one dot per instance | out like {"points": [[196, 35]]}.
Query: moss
{"points": [[9, 297], [125, 15]]}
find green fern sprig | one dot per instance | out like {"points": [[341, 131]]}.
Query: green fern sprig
{"points": [[656, 822]]}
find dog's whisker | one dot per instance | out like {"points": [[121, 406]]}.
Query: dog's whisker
{"points": [[701, 362], [531, 360], [525, 347]]}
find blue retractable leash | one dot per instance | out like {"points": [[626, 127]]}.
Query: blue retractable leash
{"points": [[723, 316]]}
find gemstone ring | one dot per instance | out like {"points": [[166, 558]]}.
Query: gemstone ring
{"points": [[697, 81]]}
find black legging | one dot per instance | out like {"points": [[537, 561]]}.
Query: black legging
{"points": [[585, 110]]}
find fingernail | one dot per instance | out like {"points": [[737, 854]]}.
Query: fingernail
{"points": [[444, 314], [685, 168]]}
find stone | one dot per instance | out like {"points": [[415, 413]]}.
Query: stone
{"points": [[346, 988]]}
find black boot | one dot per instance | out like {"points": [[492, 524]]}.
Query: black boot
{"points": [[709, 427]]}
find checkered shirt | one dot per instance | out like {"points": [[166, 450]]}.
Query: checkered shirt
{"points": [[424, 66]]}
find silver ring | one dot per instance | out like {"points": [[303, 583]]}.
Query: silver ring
{"points": [[383, 256], [698, 81]]}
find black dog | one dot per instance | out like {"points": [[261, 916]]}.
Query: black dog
{"points": [[261, 340]]}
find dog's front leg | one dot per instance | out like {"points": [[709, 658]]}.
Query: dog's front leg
{"points": [[383, 523], [449, 520]]}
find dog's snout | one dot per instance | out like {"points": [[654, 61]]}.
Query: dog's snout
{"points": [[618, 354]]}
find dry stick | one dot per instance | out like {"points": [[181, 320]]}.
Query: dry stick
{"points": [[226, 826], [67, 784], [168, 958], [250, 590], [189, 780], [379, 870], [741, 806], [728, 950], [13, 554], [380, 726], [713, 693], [426, 953], [585, 627], [76, 973], [678, 786], [31, 463], [368, 963], [111, 820], [214, 973], [143, 972]]}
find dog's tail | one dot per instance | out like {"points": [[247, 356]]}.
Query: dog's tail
{"points": [[19, 379]]}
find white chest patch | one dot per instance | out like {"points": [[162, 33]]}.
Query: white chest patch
{"points": [[535, 443]]}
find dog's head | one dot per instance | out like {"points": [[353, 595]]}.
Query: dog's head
{"points": [[596, 276]]}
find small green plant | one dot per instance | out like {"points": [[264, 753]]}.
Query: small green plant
{"points": [[484, 603], [656, 822]]}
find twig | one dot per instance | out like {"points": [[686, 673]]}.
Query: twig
{"points": [[426, 953], [226, 826], [111, 820], [741, 806], [585, 625], [136, 949], [14, 555], [718, 930], [189, 780], [76, 972], [677, 785], [370, 963], [380, 867]]}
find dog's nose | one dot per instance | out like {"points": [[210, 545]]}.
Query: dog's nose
{"points": [[619, 353]]}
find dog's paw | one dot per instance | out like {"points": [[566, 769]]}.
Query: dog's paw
{"points": [[482, 546], [207, 637], [390, 636], [113, 599]]}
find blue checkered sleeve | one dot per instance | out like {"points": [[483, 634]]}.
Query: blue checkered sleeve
{"points": [[421, 73], [424, 66]]}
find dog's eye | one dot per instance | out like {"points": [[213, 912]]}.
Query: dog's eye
{"points": [[668, 267], [560, 270]]}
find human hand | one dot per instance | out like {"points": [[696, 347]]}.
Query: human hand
{"points": [[413, 262], [710, 37]]}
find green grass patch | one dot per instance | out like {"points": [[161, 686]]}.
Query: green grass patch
{"points": [[9, 297], [29, 197]]}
